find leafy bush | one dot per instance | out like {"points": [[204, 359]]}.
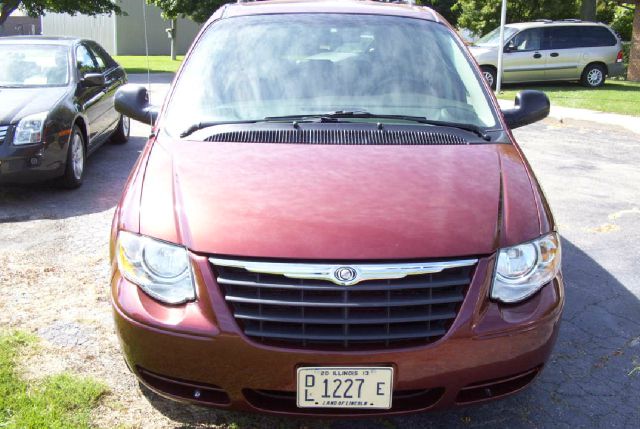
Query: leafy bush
{"points": [[623, 22]]}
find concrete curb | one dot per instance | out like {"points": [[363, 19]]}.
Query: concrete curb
{"points": [[562, 114]]}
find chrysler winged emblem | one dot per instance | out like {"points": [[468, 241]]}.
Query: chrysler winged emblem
{"points": [[345, 275]]}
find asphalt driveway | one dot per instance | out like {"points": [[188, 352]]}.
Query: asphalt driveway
{"points": [[54, 275]]}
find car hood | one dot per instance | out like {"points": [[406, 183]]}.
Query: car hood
{"points": [[16, 103], [478, 51], [337, 202]]}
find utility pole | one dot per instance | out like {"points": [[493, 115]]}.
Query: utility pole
{"points": [[503, 22]]}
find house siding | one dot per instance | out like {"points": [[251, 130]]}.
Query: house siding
{"points": [[130, 31], [123, 34], [98, 28], [20, 25]]}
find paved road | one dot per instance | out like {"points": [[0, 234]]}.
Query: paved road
{"points": [[591, 177]]}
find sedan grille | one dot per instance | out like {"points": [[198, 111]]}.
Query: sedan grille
{"points": [[309, 306], [4, 130]]}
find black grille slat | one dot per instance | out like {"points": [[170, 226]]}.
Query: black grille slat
{"points": [[281, 334], [444, 315], [339, 137], [373, 314], [450, 299], [369, 286], [4, 131]]}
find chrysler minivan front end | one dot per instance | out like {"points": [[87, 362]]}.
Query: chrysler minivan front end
{"points": [[332, 218]]}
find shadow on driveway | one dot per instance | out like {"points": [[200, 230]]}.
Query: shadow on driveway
{"points": [[106, 172], [587, 382]]}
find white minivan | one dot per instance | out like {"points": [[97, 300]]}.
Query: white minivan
{"points": [[545, 50]]}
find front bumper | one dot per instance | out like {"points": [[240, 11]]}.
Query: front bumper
{"points": [[197, 353], [33, 162]]}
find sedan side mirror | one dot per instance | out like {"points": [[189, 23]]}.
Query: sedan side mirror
{"points": [[531, 106], [133, 101], [93, 79]]}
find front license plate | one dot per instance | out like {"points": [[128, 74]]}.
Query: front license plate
{"points": [[364, 388]]}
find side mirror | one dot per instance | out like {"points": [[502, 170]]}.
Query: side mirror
{"points": [[93, 79], [133, 101], [531, 106]]}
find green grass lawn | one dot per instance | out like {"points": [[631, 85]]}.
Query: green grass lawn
{"points": [[157, 64], [615, 97], [59, 401]]}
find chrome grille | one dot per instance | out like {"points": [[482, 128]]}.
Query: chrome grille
{"points": [[300, 305], [4, 130], [339, 137]]}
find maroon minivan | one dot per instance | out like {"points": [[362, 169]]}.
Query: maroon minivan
{"points": [[332, 217]]}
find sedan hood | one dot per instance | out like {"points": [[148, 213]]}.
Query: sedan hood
{"points": [[16, 103], [331, 202]]}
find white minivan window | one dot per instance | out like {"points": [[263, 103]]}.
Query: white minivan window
{"points": [[253, 67]]}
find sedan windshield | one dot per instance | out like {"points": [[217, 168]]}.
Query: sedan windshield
{"points": [[33, 65], [492, 39], [256, 67]]}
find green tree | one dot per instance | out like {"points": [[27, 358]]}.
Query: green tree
{"points": [[588, 10], [482, 16], [36, 8], [618, 15], [196, 10], [624, 17], [444, 8], [634, 57]]}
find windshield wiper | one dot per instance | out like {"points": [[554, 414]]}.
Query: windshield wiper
{"points": [[202, 125], [293, 118], [341, 114]]}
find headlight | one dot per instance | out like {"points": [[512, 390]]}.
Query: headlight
{"points": [[160, 269], [522, 270], [30, 129]]}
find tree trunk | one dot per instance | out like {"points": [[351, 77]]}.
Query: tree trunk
{"points": [[174, 32], [588, 10], [634, 59], [7, 9]]}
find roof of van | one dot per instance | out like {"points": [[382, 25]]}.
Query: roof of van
{"points": [[365, 7], [550, 23]]}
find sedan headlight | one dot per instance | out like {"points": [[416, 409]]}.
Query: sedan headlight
{"points": [[523, 270], [160, 269], [30, 129]]}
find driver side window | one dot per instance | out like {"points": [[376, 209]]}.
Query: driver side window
{"points": [[85, 62], [527, 40]]}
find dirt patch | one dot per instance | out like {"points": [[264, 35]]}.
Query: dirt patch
{"points": [[54, 277]]}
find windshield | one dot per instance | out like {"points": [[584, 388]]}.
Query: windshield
{"points": [[493, 39], [33, 65], [253, 67]]}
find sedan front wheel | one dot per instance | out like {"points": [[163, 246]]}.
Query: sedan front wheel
{"points": [[74, 171], [121, 134]]}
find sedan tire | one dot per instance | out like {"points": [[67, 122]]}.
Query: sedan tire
{"points": [[76, 156], [122, 132]]}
